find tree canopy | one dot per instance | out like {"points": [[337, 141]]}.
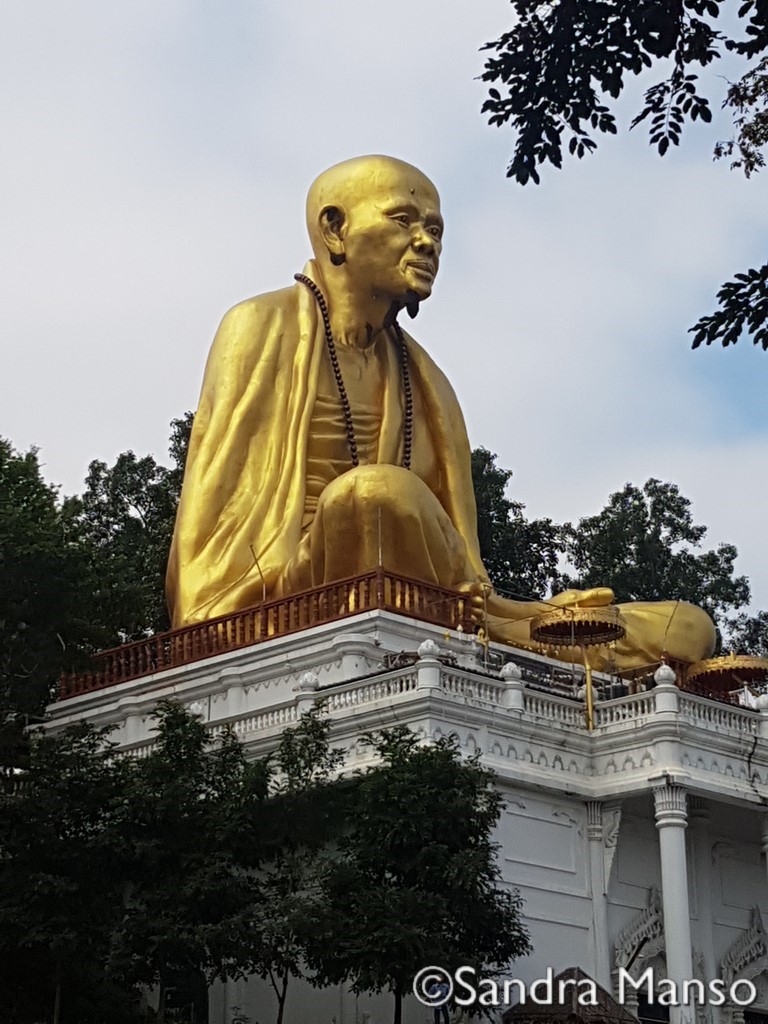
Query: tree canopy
{"points": [[195, 863], [646, 543], [522, 556], [47, 620], [416, 880], [79, 574], [554, 74], [126, 514]]}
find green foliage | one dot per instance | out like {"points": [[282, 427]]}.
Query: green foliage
{"points": [[119, 872], [561, 60], [78, 575], [61, 858], [45, 598], [127, 512], [304, 818], [521, 556], [749, 634], [643, 545], [743, 307], [749, 99], [190, 831], [416, 878], [556, 71], [193, 863]]}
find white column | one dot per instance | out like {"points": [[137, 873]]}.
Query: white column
{"points": [[671, 821], [702, 886], [599, 902], [428, 667]]}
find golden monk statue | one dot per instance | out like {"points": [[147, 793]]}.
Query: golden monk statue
{"points": [[328, 442]]}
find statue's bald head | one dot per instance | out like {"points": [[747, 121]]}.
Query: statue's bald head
{"points": [[376, 229], [361, 179]]}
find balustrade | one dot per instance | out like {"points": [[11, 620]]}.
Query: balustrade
{"points": [[376, 589], [719, 717]]}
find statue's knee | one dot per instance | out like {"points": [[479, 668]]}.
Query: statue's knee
{"points": [[373, 486]]}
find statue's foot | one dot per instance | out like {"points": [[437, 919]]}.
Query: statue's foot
{"points": [[662, 631], [655, 630]]}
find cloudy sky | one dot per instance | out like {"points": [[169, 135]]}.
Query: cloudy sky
{"points": [[154, 162]]}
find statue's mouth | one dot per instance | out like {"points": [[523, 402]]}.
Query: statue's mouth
{"points": [[423, 267]]}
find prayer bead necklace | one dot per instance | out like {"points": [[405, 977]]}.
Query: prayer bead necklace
{"points": [[346, 409]]}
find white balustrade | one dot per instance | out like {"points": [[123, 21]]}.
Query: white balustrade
{"points": [[554, 709], [461, 684], [625, 709], [707, 714]]}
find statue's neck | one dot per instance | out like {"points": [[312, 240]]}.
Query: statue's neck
{"points": [[356, 319]]}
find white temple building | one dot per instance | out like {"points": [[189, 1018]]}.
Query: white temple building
{"points": [[638, 844]]}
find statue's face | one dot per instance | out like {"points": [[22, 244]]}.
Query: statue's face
{"points": [[393, 234]]}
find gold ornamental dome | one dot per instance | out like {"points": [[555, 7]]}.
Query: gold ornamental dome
{"points": [[578, 627], [716, 677]]}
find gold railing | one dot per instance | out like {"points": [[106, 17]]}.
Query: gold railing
{"points": [[376, 589]]}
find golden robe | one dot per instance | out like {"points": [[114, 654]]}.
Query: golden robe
{"points": [[239, 527]]}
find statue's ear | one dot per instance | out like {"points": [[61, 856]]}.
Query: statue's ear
{"points": [[332, 228]]}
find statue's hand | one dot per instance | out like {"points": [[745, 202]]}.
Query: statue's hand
{"points": [[596, 597], [483, 599], [478, 593]]}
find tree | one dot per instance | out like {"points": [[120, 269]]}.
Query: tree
{"points": [[522, 557], [563, 61], [46, 606], [304, 819], [127, 514], [644, 545], [416, 881], [60, 873], [749, 634], [191, 836]]}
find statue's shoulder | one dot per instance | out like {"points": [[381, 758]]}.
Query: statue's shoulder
{"points": [[247, 330], [255, 310], [246, 327]]}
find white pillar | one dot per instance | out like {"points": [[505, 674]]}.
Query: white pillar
{"points": [[671, 821], [702, 886], [602, 964], [512, 695], [428, 667]]}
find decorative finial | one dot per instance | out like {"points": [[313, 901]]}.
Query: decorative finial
{"points": [[428, 649], [664, 675], [307, 681], [510, 672]]}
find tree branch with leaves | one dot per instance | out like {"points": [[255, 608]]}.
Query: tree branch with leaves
{"points": [[553, 75]]}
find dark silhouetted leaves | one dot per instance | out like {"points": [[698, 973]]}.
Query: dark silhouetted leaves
{"points": [[552, 72]]}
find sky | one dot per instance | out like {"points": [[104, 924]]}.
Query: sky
{"points": [[154, 164]]}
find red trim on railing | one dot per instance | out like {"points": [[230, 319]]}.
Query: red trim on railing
{"points": [[329, 603]]}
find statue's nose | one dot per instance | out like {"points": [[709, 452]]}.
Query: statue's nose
{"points": [[422, 240]]}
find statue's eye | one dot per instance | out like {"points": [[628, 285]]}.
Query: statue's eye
{"points": [[402, 218], [435, 232]]}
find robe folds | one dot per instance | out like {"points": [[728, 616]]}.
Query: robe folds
{"points": [[239, 525]]}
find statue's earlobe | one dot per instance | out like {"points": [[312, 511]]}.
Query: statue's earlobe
{"points": [[332, 230]]}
